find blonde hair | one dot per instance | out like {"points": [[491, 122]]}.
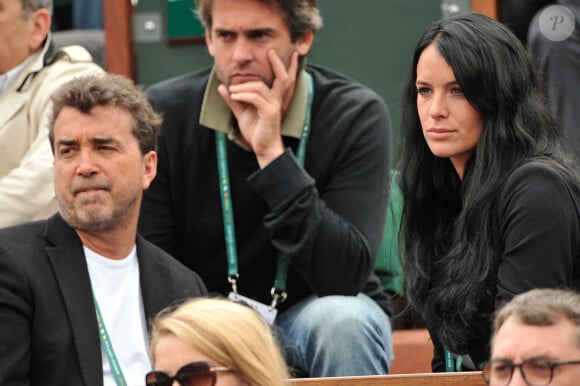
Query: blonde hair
{"points": [[231, 334]]}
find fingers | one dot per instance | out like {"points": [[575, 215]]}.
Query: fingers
{"points": [[284, 78], [281, 89], [269, 101], [244, 98], [235, 106], [223, 91], [293, 68], [255, 94]]}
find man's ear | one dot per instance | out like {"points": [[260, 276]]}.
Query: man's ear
{"points": [[208, 41], [304, 42], [39, 23], [149, 169]]}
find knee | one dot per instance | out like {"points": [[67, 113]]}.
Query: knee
{"points": [[357, 317], [331, 330]]}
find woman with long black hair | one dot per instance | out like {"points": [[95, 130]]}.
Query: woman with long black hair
{"points": [[491, 192]]}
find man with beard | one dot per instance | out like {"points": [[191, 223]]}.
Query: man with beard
{"points": [[273, 183], [77, 290]]}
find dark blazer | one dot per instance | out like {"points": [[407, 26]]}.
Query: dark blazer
{"points": [[48, 327]]}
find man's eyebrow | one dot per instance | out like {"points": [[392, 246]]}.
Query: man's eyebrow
{"points": [[96, 140], [260, 31], [66, 142], [542, 357], [251, 31], [533, 358], [103, 140], [222, 30]]}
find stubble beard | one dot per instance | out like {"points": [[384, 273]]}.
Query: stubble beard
{"points": [[227, 77], [97, 215]]}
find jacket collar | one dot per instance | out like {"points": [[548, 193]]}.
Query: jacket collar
{"points": [[65, 254], [39, 60]]}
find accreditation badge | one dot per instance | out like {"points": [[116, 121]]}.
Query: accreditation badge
{"points": [[269, 313]]}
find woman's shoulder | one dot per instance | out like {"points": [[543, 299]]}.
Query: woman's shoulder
{"points": [[535, 171], [541, 181]]}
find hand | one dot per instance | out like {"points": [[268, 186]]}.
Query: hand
{"points": [[259, 109]]}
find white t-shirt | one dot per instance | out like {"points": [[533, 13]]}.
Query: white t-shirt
{"points": [[117, 289]]}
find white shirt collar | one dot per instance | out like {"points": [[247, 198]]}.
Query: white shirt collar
{"points": [[8, 78]]}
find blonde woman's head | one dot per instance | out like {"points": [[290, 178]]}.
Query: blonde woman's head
{"points": [[225, 334]]}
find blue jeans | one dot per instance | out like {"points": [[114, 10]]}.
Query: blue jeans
{"points": [[335, 336]]}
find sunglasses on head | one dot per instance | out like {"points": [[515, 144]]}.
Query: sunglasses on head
{"points": [[192, 374]]}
